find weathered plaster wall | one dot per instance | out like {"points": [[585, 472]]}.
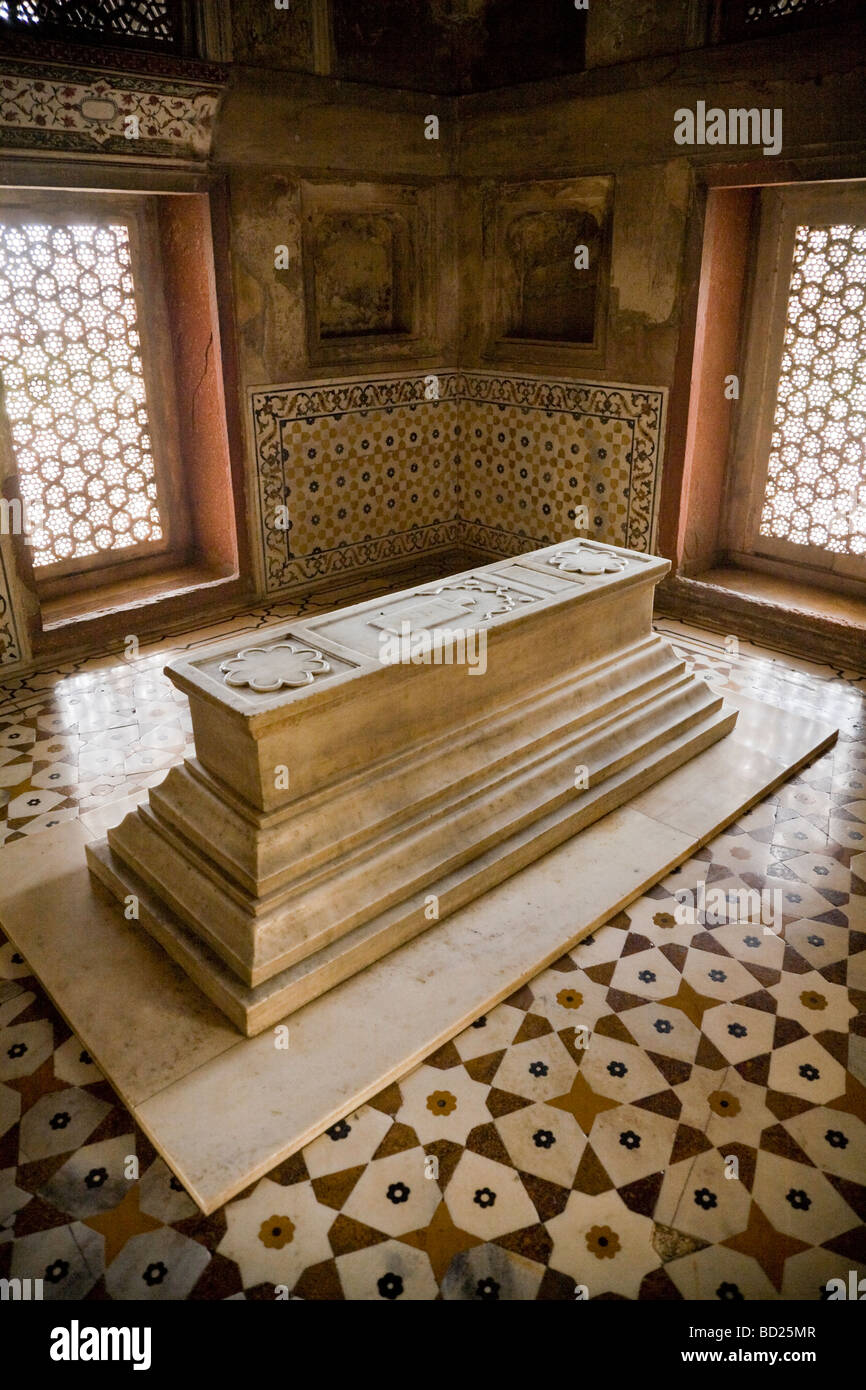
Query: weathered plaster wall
{"points": [[622, 30], [269, 302], [652, 205], [307, 122], [622, 116], [641, 306], [272, 301], [303, 158], [456, 45], [274, 38]]}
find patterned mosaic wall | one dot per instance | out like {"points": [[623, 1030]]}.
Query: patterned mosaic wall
{"points": [[365, 470], [10, 648], [351, 473], [533, 450]]}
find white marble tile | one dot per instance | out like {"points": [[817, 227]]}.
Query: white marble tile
{"points": [[86, 956], [102, 818], [765, 747]]}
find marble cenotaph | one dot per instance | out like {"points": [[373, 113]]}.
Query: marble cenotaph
{"points": [[362, 774]]}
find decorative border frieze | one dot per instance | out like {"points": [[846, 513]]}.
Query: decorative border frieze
{"points": [[79, 110], [211, 68]]}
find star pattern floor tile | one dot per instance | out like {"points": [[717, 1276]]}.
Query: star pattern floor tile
{"points": [[675, 1110]]}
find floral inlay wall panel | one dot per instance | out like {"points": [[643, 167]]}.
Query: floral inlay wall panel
{"points": [[534, 451], [355, 472], [72, 107]]}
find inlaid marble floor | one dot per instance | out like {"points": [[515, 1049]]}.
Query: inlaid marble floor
{"points": [[515, 1163]]}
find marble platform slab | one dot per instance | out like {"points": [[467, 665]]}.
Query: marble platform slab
{"points": [[223, 1110]]}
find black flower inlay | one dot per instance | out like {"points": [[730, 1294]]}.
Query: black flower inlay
{"points": [[836, 1139], [798, 1199], [705, 1198], [390, 1286]]}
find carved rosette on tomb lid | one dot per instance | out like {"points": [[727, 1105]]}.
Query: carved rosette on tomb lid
{"points": [[581, 559], [268, 669], [483, 601]]}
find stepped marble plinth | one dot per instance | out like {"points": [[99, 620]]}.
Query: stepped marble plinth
{"points": [[362, 774]]}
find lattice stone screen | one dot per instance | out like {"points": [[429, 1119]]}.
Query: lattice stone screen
{"points": [[816, 483], [156, 23], [781, 10], [740, 19], [74, 389]]}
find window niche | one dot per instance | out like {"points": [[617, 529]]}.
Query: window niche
{"points": [[114, 431], [367, 271], [796, 484], [547, 271]]}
